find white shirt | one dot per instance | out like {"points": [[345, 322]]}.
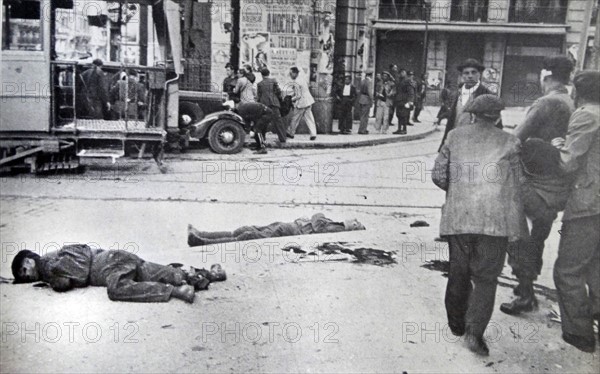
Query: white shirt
{"points": [[465, 93], [346, 90]]}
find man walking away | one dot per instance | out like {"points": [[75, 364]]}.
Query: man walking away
{"points": [[405, 98], [303, 102], [577, 268], [269, 94], [419, 98], [545, 191], [345, 97], [471, 88], [365, 102], [479, 216]]}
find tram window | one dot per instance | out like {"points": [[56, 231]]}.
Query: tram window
{"points": [[21, 25]]}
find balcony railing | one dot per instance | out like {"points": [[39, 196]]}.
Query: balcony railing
{"points": [[538, 14], [435, 13]]}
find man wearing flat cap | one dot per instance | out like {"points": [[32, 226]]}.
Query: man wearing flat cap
{"points": [[544, 189], [470, 88], [479, 168], [577, 268]]}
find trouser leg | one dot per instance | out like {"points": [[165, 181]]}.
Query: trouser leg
{"points": [[364, 117], [297, 115], [486, 262], [379, 117], [391, 110], [459, 285], [526, 256], [310, 121], [278, 124], [576, 268], [122, 275]]}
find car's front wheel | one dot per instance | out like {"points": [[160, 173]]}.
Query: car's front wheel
{"points": [[226, 137]]}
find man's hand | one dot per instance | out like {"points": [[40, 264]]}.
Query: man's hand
{"points": [[558, 143]]}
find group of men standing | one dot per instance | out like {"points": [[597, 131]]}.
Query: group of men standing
{"points": [[395, 91], [550, 163], [101, 97], [264, 104]]}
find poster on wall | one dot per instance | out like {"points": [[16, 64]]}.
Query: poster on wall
{"points": [[435, 79], [491, 79], [221, 27], [281, 60], [326, 45], [254, 50]]}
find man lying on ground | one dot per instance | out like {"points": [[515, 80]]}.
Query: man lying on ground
{"points": [[317, 224], [126, 276]]}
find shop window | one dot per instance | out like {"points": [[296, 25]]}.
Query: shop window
{"points": [[21, 25]]}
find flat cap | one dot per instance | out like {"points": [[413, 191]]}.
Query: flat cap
{"points": [[485, 104]]}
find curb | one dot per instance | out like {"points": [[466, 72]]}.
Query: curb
{"points": [[359, 143]]}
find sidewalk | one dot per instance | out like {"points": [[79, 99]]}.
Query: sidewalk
{"points": [[336, 140]]}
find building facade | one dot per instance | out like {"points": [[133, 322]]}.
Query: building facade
{"points": [[510, 37]]}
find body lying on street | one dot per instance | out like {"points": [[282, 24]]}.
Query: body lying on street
{"points": [[317, 224], [126, 276]]}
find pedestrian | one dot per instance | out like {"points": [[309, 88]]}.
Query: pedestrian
{"points": [[445, 103], [245, 87], [545, 191], [365, 101], [269, 94], [317, 224], [378, 88], [420, 95], [230, 82], [380, 106], [260, 116], [345, 97], [398, 76], [470, 88], [405, 98], [577, 268], [479, 216], [127, 96], [126, 276], [303, 102], [95, 87]]}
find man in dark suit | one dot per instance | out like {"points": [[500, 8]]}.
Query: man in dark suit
{"points": [[405, 98], [345, 96], [269, 94], [96, 90], [471, 88]]}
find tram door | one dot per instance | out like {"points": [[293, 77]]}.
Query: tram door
{"points": [[25, 72]]}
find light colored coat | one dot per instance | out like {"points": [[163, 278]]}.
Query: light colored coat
{"points": [[301, 96], [479, 167], [581, 156]]}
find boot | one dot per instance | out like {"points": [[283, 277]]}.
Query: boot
{"points": [[524, 303], [185, 293], [477, 345], [197, 280]]}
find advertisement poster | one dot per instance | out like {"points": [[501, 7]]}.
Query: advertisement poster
{"points": [[254, 50], [221, 27], [281, 60]]}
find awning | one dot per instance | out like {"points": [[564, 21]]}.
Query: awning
{"points": [[489, 28]]}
